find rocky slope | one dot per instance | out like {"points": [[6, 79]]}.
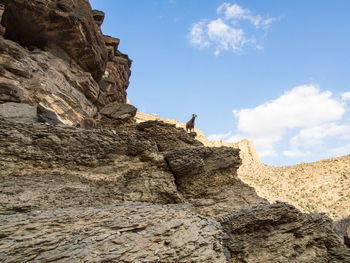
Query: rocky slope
{"points": [[120, 191]]}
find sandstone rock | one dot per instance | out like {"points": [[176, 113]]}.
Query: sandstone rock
{"points": [[208, 178], [192, 161], [68, 24], [281, 233], [18, 112], [119, 111], [62, 66]]}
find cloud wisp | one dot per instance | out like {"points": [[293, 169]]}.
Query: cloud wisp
{"points": [[304, 120], [226, 33]]}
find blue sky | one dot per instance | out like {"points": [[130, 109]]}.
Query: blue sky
{"points": [[275, 72]]}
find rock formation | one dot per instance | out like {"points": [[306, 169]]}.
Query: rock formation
{"points": [[122, 191], [49, 171], [53, 54]]}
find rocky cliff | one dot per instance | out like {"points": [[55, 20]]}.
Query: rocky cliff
{"points": [[54, 56], [119, 190]]}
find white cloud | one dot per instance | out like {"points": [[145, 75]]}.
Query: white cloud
{"points": [[311, 136], [225, 32], [225, 37], [235, 12], [345, 96], [305, 114], [300, 107], [198, 35]]}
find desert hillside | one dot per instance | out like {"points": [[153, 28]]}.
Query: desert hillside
{"points": [[321, 187]]}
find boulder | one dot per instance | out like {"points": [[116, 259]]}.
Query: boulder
{"points": [[207, 177], [18, 112], [119, 111], [69, 24]]}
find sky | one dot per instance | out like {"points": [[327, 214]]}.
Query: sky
{"points": [[274, 72]]}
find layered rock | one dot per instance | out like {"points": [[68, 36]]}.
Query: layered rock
{"points": [[281, 233], [53, 54], [128, 233], [248, 153], [46, 168], [64, 23], [115, 80]]}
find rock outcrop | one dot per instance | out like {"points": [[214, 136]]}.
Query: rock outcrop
{"points": [[281, 233], [248, 153], [82, 185], [66, 24], [53, 54]]}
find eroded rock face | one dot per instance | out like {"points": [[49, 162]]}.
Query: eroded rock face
{"points": [[281, 233], [128, 233], [69, 24], [95, 175], [208, 177], [115, 80], [54, 54], [41, 77]]}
